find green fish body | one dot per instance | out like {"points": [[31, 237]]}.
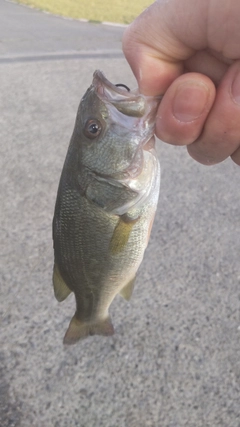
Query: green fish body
{"points": [[106, 202]]}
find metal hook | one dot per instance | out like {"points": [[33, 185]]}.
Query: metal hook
{"points": [[122, 85]]}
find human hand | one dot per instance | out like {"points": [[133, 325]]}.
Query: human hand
{"points": [[190, 51]]}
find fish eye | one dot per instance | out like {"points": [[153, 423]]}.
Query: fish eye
{"points": [[92, 128]]}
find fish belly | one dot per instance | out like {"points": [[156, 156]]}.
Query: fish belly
{"points": [[85, 254]]}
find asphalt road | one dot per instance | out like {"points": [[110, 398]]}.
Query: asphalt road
{"points": [[175, 358], [28, 33]]}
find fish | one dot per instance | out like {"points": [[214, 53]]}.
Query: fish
{"points": [[106, 203]]}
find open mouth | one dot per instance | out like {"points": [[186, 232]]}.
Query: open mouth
{"points": [[138, 113], [129, 103]]}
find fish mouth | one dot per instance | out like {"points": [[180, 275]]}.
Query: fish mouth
{"points": [[128, 102], [137, 115]]}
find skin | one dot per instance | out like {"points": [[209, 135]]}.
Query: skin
{"points": [[190, 52], [106, 203]]}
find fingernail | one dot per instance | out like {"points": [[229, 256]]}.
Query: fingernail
{"points": [[190, 101], [236, 89]]}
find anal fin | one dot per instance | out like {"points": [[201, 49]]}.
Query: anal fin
{"points": [[127, 291], [61, 290], [78, 330]]}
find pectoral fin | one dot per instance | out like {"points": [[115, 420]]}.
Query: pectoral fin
{"points": [[78, 330], [61, 290], [150, 228], [121, 234], [127, 291]]}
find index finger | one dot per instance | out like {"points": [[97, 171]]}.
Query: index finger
{"points": [[158, 42]]}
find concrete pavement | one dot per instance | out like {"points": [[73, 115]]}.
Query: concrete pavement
{"points": [[175, 358]]}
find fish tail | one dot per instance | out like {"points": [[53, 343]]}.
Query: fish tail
{"points": [[78, 330]]}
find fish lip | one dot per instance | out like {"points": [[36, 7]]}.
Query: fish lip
{"points": [[100, 81], [129, 103]]}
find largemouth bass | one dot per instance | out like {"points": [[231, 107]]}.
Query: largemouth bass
{"points": [[106, 202]]}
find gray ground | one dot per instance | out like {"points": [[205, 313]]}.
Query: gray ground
{"points": [[175, 358]]}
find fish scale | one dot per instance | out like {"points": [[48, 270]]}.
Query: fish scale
{"points": [[106, 202]]}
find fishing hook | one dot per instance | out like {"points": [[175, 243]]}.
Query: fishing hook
{"points": [[122, 85]]}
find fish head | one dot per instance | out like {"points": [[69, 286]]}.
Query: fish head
{"points": [[113, 126]]}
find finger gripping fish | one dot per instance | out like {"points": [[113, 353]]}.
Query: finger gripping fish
{"points": [[106, 202]]}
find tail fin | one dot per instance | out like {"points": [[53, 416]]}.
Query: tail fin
{"points": [[78, 330]]}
